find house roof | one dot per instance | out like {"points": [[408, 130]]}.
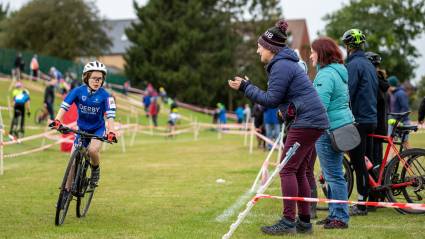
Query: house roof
{"points": [[116, 32], [299, 33]]}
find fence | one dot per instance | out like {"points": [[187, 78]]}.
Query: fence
{"points": [[7, 59]]}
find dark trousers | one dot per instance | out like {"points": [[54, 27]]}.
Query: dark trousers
{"points": [[293, 177], [155, 120], [357, 158], [49, 108], [19, 114]]}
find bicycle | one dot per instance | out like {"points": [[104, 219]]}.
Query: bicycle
{"points": [[388, 179], [79, 172]]}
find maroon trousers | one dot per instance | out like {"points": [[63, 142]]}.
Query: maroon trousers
{"points": [[293, 177]]}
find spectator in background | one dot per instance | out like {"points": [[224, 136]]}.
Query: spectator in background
{"points": [[215, 116], [21, 101], [146, 103], [173, 117], [258, 114], [19, 65], [363, 89], [55, 73], [239, 114], [271, 124], [399, 102], [154, 110], [163, 94], [222, 118], [381, 109], [126, 87], [247, 113], [421, 112], [76, 82], [34, 67], [172, 103], [301, 62], [49, 98]]}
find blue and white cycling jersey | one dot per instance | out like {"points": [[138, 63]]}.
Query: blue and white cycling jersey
{"points": [[91, 107]]}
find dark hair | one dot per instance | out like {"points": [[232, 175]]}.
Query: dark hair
{"points": [[87, 75], [327, 51]]}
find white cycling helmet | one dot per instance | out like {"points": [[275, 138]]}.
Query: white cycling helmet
{"points": [[95, 66]]}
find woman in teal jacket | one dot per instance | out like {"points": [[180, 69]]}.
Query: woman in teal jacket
{"points": [[331, 85]]}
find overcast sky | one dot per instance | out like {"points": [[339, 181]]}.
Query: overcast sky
{"points": [[312, 10]]}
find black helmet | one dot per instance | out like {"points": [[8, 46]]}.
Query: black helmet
{"points": [[353, 38], [374, 58]]}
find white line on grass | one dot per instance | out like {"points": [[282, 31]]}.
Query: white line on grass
{"points": [[242, 200]]}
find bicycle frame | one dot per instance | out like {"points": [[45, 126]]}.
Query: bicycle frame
{"points": [[390, 145]]}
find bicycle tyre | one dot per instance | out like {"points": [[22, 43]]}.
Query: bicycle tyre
{"points": [[61, 211], [38, 117], [395, 173], [85, 190], [349, 177]]}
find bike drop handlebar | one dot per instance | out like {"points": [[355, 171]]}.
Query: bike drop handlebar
{"points": [[66, 130]]}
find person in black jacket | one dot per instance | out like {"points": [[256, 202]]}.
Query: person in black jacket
{"points": [[382, 107], [49, 98], [421, 112], [363, 89]]}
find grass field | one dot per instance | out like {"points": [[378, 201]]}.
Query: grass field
{"points": [[163, 188]]}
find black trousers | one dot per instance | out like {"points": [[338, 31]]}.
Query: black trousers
{"points": [[19, 114], [357, 158]]}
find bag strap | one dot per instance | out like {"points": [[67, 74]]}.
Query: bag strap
{"points": [[342, 79]]}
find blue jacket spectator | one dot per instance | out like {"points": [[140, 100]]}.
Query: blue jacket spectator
{"points": [[363, 87], [289, 85], [399, 101], [239, 114], [270, 116], [331, 84]]}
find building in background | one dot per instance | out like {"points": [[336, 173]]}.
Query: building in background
{"points": [[116, 32]]}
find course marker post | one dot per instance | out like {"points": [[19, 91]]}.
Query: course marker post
{"points": [[1, 144], [261, 190], [246, 129], [266, 162], [251, 138]]}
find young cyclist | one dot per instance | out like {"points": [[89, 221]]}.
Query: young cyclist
{"points": [[93, 102]]}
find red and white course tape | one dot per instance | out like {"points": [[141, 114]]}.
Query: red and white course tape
{"points": [[414, 206]]}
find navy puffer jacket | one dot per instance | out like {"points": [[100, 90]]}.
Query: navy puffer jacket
{"points": [[289, 84]]}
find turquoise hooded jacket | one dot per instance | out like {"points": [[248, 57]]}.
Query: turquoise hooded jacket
{"points": [[331, 83]]}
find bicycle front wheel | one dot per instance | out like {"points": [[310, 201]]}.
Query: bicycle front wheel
{"points": [[85, 190], [65, 195], [349, 178], [405, 179]]}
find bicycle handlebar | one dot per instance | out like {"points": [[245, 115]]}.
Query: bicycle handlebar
{"points": [[65, 130]]}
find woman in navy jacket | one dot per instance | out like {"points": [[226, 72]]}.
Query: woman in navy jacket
{"points": [[292, 92]]}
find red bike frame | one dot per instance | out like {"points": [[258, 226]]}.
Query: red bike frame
{"points": [[390, 146]]}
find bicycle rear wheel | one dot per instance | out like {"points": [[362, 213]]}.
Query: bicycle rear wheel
{"points": [[348, 175], [85, 190], [40, 117], [406, 179], [65, 197]]}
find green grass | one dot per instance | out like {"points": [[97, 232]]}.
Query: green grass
{"points": [[163, 188]]}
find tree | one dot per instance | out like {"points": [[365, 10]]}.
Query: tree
{"points": [[194, 47], [188, 49], [4, 12], [389, 26], [61, 28]]}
